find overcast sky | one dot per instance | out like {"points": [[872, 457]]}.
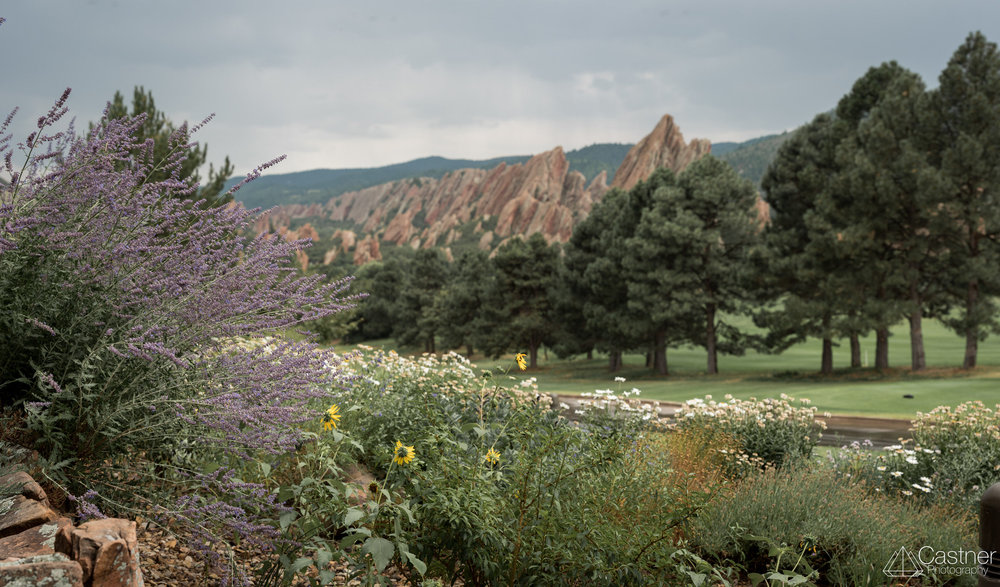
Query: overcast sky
{"points": [[337, 84]]}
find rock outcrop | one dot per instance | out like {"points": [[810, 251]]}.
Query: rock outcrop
{"points": [[664, 147], [480, 206], [38, 547]]}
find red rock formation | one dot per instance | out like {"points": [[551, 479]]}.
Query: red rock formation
{"points": [[539, 196], [367, 250], [664, 147]]}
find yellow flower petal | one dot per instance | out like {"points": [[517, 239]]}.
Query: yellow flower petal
{"points": [[403, 454]]}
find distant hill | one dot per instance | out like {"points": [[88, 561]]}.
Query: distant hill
{"points": [[319, 185], [751, 158], [592, 160]]}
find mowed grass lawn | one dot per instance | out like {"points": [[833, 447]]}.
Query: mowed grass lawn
{"points": [[863, 392]]}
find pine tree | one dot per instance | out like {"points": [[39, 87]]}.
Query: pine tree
{"points": [[596, 276], [526, 274], [466, 305], [800, 272], [889, 220], [689, 261], [966, 106], [418, 319]]}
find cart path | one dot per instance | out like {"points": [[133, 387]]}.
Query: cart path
{"points": [[840, 430]]}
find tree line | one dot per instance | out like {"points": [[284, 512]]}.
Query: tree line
{"points": [[884, 208]]}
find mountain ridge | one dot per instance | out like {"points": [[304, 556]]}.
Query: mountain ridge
{"points": [[319, 185], [475, 207]]}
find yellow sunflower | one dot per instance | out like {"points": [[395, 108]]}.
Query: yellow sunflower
{"points": [[519, 357], [492, 456], [331, 418], [404, 454]]}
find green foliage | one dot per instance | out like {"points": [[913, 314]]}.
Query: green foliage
{"points": [[594, 279], [951, 458], [504, 491], [815, 521], [384, 282], [798, 267], [415, 315], [467, 306], [966, 148]]}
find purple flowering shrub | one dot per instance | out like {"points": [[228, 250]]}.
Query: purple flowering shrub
{"points": [[121, 310]]}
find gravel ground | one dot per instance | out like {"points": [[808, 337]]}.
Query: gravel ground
{"points": [[168, 561]]}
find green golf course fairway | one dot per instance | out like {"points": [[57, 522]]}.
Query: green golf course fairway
{"points": [[861, 392]]}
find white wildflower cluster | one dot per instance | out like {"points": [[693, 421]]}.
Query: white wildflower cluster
{"points": [[627, 403], [761, 413], [953, 452], [946, 425], [450, 374], [769, 430]]}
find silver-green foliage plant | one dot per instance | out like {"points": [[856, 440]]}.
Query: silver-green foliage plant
{"points": [[815, 520]]}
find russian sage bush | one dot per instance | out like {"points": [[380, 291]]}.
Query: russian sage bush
{"points": [[121, 310]]}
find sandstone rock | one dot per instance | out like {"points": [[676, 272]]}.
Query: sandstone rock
{"points": [[53, 570], [29, 488], [19, 513], [664, 147], [107, 551], [347, 239], [307, 231], [486, 240], [36, 541], [367, 250]]}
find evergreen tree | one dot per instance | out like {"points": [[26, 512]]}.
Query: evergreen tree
{"points": [[168, 139], [595, 281], [384, 281], [418, 319], [572, 336], [803, 275], [689, 259], [652, 308], [888, 220], [466, 305], [966, 106], [526, 277]]}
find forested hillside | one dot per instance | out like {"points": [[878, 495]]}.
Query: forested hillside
{"points": [[751, 158]]}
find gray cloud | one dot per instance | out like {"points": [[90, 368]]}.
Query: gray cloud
{"points": [[341, 84]]}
